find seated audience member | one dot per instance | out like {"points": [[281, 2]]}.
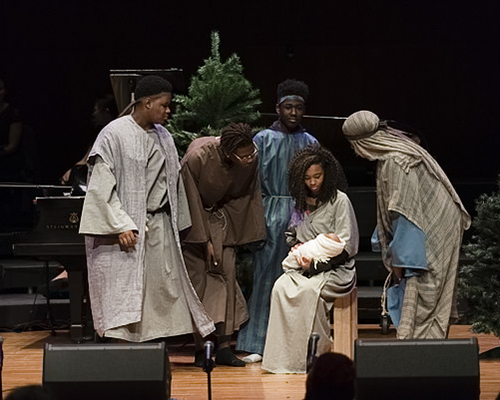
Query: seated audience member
{"points": [[332, 377], [31, 392]]}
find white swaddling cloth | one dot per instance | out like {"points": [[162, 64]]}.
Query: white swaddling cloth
{"points": [[319, 249]]}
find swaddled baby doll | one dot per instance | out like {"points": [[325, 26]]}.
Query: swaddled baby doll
{"points": [[319, 250]]}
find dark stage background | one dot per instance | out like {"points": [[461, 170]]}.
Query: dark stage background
{"points": [[434, 65]]}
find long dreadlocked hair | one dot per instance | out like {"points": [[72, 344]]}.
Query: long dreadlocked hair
{"points": [[235, 136], [334, 175], [291, 87]]}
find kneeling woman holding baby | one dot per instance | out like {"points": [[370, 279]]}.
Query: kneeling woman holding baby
{"points": [[324, 237]]}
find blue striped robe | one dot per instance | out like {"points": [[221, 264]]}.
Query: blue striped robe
{"points": [[424, 200]]}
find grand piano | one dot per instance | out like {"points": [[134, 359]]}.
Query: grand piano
{"points": [[55, 237]]}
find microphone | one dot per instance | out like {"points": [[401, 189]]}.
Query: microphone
{"points": [[312, 347], [208, 363]]}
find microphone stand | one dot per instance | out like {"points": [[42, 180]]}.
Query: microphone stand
{"points": [[208, 364]]}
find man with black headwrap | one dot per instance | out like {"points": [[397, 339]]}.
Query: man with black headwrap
{"points": [[134, 209]]}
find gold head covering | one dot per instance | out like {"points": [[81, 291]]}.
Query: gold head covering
{"points": [[374, 140]]}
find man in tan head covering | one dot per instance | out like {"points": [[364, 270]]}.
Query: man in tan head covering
{"points": [[420, 223]]}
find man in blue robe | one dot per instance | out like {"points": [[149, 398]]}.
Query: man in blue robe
{"points": [[277, 145]]}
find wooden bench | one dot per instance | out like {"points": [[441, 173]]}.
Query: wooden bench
{"points": [[369, 269], [345, 323]]}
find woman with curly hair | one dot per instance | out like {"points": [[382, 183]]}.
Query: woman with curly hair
{"points": [[302, 297]]}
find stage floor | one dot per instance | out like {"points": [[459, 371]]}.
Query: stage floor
{"points": [[23, 356]]}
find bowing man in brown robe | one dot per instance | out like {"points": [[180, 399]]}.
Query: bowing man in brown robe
{"points": [[221, 179]]}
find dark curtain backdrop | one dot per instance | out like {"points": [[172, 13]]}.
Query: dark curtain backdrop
{"points": [[434, 65]]}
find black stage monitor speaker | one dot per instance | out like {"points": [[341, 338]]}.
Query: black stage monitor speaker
{"points": [[417, 369], [107, 371]]}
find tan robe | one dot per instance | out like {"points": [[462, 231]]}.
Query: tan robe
{"points": [[226, 208], [301, 305]]}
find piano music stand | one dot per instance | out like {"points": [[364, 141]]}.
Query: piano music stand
{"points": [[124, 81]]}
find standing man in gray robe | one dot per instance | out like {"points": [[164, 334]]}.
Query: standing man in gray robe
{"points": [[134, 208], [420, 224]]}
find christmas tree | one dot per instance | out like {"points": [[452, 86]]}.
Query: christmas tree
{"points": [[218, 94], [479, 281]]}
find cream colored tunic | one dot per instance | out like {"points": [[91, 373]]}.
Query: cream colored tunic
{"points": [[300, 305]]}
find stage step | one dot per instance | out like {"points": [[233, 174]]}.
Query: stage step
{"points": [[6, 241], [20, 306], [369, 305], [25, 311], [25, 273]]}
